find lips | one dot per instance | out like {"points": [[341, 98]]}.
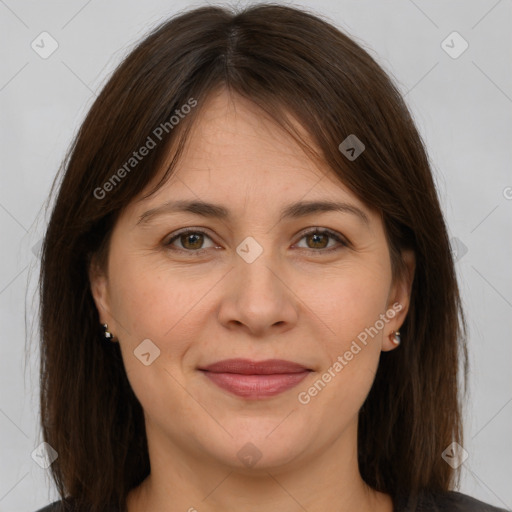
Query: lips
{"points": [[248, 367], [255, 379]]}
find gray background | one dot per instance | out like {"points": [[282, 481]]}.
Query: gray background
{"points": [[462, 107]]}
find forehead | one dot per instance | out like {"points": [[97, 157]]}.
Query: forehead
{"points": [[236, 138], [235, 154]]}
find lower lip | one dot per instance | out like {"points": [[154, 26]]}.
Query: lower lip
{"points": [[256, 386]]}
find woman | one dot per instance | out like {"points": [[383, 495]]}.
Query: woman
{"points": [[248, 299]]}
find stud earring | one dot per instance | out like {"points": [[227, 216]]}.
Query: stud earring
{"points": [[395, 338], [107, 334]]}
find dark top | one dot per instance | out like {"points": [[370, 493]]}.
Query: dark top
{"points": [[447, 502]]}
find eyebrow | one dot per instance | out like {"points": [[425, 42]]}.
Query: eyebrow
{"points": [[293, 210]]}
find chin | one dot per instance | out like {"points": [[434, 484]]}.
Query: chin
{"points": [[257, 445]]}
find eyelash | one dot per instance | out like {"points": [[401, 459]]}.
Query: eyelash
{"points": [[316, 252]]}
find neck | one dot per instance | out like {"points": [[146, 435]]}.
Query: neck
{"points": [[329, 481]]}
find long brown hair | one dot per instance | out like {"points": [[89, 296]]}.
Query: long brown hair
{"points": [[287, 61]]}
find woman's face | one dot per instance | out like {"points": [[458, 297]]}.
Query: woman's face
{"points": [[252, 283]]}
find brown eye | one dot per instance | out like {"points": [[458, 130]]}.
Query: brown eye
{"points": [[192, 240], [189, 241], [318, 239]]}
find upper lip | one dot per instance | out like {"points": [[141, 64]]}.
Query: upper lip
{"points": [[249, 367]]}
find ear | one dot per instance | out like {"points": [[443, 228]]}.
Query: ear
{"points": [[99, 289], [399, 299]]}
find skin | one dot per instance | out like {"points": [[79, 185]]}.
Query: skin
{"points": [[296, 301]]}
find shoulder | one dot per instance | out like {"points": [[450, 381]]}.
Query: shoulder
{"points": [[56, 506], [458, 502], [68, 505], [61, 506], [450, 501]]}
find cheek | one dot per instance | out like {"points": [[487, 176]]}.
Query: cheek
{"points": [[149, 306], [162, 304], [352, 301], [351, 357], [351, 306], [147, 299]]}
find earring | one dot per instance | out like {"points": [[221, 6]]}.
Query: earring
{"points": [[396, 338], [107, 334]]}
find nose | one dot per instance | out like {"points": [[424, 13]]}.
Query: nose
{"points": [[258, 299]]}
